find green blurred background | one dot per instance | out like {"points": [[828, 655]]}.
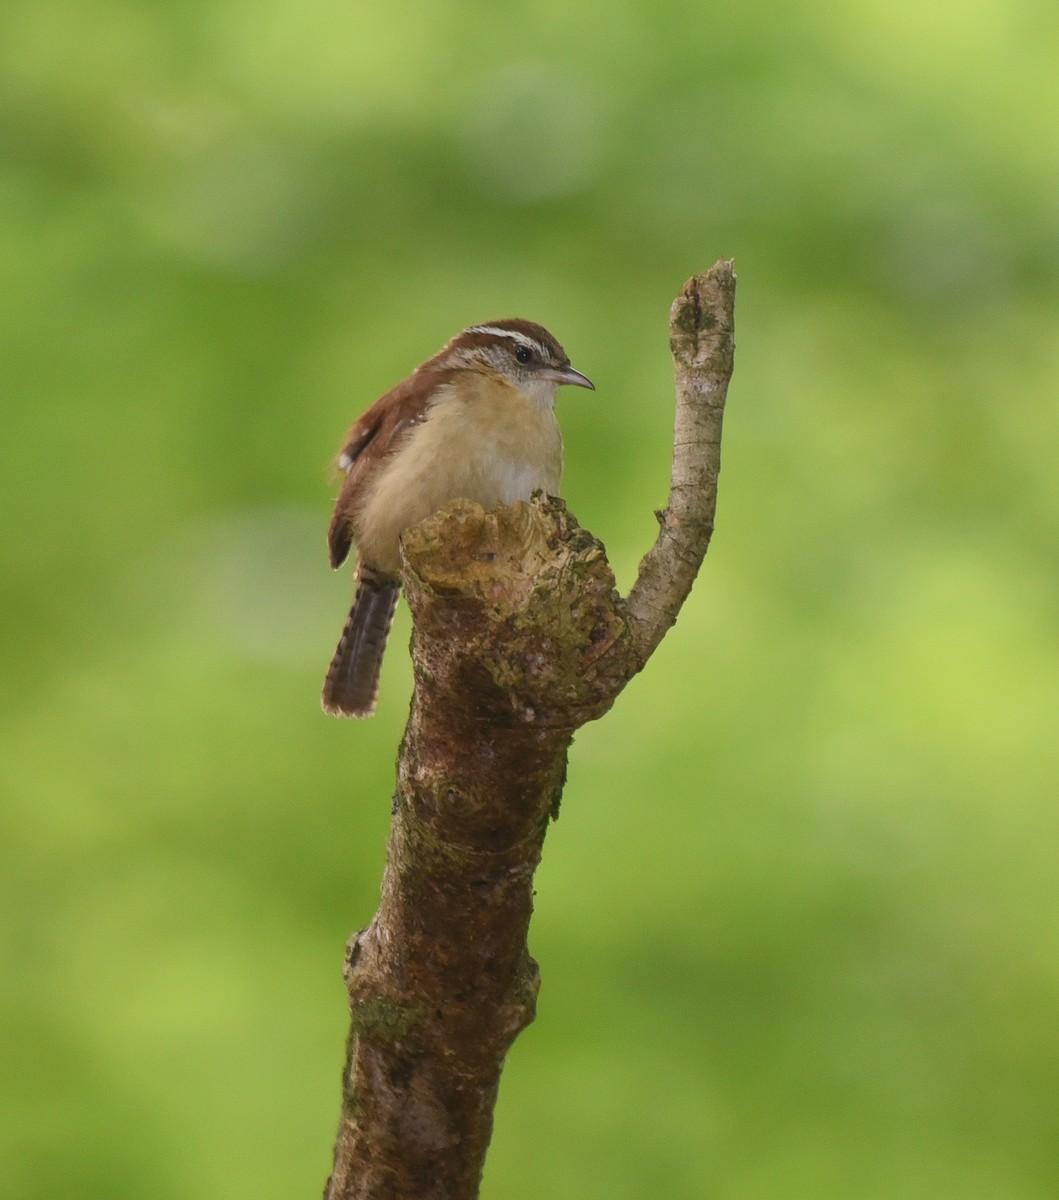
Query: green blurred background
{"points": [[798, 922]]}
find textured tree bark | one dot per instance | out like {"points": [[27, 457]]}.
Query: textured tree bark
{"points": [[519, 638]]}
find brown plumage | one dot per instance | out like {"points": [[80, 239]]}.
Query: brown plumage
{"points": [[352, 681], [475, 421]]}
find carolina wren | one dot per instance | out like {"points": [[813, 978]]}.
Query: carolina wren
{"points": [[476, 422]]}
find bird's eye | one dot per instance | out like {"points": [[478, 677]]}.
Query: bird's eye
{"points": [[523, 354]]}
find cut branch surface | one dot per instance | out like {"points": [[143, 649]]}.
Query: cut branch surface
{"points": [[519, 638]]}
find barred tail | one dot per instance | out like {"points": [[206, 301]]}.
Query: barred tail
{"points": [[353, 677]]}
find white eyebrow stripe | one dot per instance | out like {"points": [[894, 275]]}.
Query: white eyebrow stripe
{"points": [[514, 335]]}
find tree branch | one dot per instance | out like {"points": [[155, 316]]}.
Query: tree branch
{"points": [[702, 339], [519, 638]]}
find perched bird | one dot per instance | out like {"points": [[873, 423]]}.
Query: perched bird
{"points": [[477, 422]]}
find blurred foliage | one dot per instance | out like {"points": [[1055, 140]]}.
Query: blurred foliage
{"points": [[797, 924]]}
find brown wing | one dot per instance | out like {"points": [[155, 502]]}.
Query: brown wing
{"points": [[374, 437]]}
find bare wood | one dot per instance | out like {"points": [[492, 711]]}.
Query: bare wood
{"points": [[702, 339], [519, 638]]}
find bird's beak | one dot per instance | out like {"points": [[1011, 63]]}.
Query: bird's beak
{"points": [[569, 375]]}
